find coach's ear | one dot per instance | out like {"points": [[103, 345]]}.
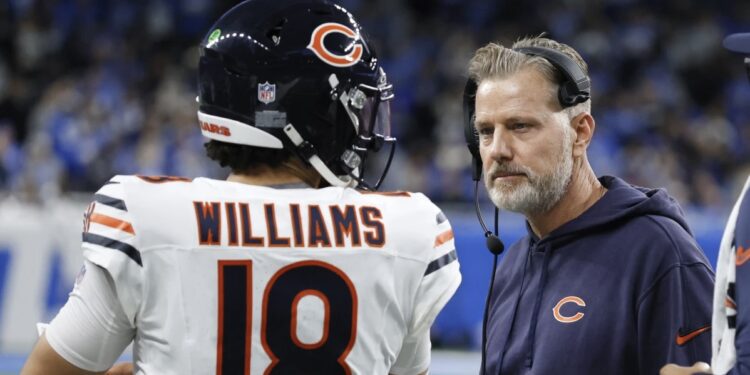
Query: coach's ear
{"points": [[583, 125]]}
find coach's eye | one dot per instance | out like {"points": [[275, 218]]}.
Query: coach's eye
{"points": [[486, 131], [519, 126]]}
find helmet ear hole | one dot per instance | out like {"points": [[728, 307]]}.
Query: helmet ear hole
{"points": [[274, 34]]}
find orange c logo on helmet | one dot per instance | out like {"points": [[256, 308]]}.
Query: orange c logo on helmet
{"points": [[568, 319], [341, 61]]}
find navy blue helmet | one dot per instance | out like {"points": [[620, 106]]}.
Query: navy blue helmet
{"points": [[299, 75]]}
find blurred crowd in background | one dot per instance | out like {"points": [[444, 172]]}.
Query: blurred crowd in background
{"points": [[90, 88]]}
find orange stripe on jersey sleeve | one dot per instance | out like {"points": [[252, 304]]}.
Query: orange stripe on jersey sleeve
{"points": [[112, 222], [444, 237]]}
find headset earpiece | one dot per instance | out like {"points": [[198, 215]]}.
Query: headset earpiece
{"points": [[576, 86], [470, 133]]}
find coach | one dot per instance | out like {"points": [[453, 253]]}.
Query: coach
{"points": [[609, 278]]}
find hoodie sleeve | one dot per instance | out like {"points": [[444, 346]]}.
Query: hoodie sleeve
{"points": [[674, 312]]}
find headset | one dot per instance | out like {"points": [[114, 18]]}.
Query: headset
{"points": [[575, 88]]}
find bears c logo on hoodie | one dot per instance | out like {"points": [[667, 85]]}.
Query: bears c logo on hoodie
{"points": [[572, 318]]}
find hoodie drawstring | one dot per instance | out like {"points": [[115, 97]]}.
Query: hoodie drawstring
{"points": [[515, 310], [537, 306]]}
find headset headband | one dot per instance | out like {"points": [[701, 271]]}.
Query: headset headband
{"points": [[576, 86]]}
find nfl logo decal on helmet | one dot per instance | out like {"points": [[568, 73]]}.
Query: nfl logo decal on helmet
{"points": [[266, 92]]}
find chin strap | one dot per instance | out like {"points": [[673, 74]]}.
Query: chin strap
{"points": [[307, 151]]}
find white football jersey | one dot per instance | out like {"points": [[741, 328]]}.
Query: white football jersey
{"points": [[218, 277]]}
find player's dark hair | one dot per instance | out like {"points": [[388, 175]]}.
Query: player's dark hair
{"points": [[241, 158]]}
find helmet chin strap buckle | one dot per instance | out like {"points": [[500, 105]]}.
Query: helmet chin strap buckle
{"points": [[307, 151], [351, 159]]}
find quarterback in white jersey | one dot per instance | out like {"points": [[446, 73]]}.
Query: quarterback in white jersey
{"points": [[285, 268], [217, 277]]}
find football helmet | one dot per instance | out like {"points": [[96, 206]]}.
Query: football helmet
{"points": [[300, 75]]}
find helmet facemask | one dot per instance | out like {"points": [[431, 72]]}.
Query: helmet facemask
{"points": [[367, 111]]}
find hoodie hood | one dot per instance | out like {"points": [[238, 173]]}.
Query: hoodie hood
{"points": [[621, 202]]}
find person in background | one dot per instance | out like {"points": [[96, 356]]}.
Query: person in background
{"points": [[731, 319]]}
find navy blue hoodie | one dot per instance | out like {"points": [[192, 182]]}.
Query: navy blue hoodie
{"points": [[621, 289]]}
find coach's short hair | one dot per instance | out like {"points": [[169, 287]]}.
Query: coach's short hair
{"points": [[496, 61]]}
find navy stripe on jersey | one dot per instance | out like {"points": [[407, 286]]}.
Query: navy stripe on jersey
{"points": [[111, 182], [130, 251], [440, 218], [109, 201], [441, 262]]}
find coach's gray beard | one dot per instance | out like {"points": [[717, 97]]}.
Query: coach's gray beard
{"points": [[539, 193]]}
